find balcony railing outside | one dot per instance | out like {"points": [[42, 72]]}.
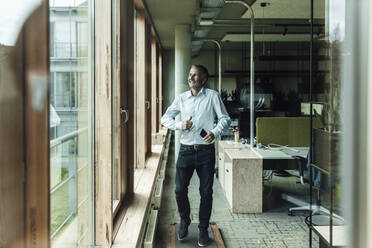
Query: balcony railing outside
{"points": [[69, 50], [67, 3], [64, 100], [70, 180]]}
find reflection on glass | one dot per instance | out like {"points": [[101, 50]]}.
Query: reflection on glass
{"points": [[13, 15], [327, 84], [70, 146]]}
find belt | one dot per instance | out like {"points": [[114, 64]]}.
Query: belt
{"points": [[197, 147]]}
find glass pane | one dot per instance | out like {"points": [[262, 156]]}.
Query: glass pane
{"points": [[71, 148], [116, 114], [135, 80], [329, 34]]}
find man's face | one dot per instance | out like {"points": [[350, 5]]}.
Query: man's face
{"points": [[196, 78]]}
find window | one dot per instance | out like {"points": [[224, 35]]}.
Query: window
{"points": [[142, 102], [154, 92], [65, 89], [71, 150], [116, 122]]}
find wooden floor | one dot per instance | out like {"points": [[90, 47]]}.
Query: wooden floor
{"points": [[191, 240]]}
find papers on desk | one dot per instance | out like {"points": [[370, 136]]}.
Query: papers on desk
{"points": [[282, 153], [230, 142], [296, 151]]}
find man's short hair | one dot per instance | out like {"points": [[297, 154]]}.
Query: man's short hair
{"points": [[203, 70]]}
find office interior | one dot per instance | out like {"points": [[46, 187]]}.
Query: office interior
{"points": [[85, 161]]}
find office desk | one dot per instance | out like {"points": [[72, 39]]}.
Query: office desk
{"points": [[243, 180], [221, 147], [281, 158], [240, 172]]}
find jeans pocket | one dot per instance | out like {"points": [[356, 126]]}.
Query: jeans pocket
{"points": [[185, 151], [184, 157]]}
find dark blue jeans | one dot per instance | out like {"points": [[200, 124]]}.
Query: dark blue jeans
{"points": [[201, 159]]}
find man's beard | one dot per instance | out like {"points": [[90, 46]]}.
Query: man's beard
{"points": [[195, 86]]}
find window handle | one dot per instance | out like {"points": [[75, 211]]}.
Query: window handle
{"points": [[122, 110], [147, 104]]}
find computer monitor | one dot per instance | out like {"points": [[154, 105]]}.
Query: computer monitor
{"points": [[305, 108]]}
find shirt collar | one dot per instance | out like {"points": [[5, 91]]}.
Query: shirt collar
{"points": [[201, 92]]}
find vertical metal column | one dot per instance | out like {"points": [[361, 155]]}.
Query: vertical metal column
{"points": [[72, 172], [219, 63], [251, 67], [311, 119]]}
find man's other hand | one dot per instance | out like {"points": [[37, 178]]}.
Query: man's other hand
{"points": [[209, 137], [186, 125]]}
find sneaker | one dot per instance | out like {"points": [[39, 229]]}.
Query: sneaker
{"points": [[203, 237], [183, 230]]}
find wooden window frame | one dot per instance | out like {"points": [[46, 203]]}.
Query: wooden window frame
{"points": [[140, 88], [148, 88], [107, 218], [24, 210], [127, 64], [154, 86], [160, 80], [36, 129], [159, 84], [103, 123]]}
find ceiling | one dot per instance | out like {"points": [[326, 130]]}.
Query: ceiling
{"points": [[166, 14], [272, 17]]}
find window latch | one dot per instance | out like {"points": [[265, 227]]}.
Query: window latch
{"points": [[122, 111]]}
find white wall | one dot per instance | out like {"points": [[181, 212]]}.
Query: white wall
{"points": [[168, 78]]}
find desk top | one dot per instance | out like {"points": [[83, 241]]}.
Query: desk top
{"points": [[230, 144], [282, 153], [242, 153]]}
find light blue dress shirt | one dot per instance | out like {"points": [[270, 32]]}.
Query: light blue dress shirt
{"points": [[203, 108]]}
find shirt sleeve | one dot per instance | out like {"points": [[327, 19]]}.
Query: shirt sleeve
{"points": [[168, 119], [223, 117]]}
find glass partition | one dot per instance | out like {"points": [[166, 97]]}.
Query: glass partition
{"points": [[71, 124], [327, 129]]}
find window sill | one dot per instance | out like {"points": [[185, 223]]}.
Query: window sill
{"points": [[132, 220]]}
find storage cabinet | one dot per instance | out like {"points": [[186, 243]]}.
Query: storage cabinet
{"points": [[243, 180], [221, 147], [228, 181], [240, 175]]}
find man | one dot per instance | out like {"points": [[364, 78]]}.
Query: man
{"points": [[198, 107]]}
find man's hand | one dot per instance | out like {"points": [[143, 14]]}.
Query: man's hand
{"points": [[186, 125], [209, 137]]}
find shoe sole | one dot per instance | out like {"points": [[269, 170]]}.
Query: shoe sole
{"points": [[179, 239], [203, 245]]}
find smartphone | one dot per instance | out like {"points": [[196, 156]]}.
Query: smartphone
{"points": [[203, 133]]}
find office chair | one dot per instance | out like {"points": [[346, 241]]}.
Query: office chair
{"points": [[316, 209], [304, 206]]}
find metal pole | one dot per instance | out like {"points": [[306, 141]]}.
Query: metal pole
{"points": [[251, 66], [311, 120], [219, 63]]}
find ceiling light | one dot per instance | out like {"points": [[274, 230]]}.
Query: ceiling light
{"points": [[206, 22], [245, 37]]}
